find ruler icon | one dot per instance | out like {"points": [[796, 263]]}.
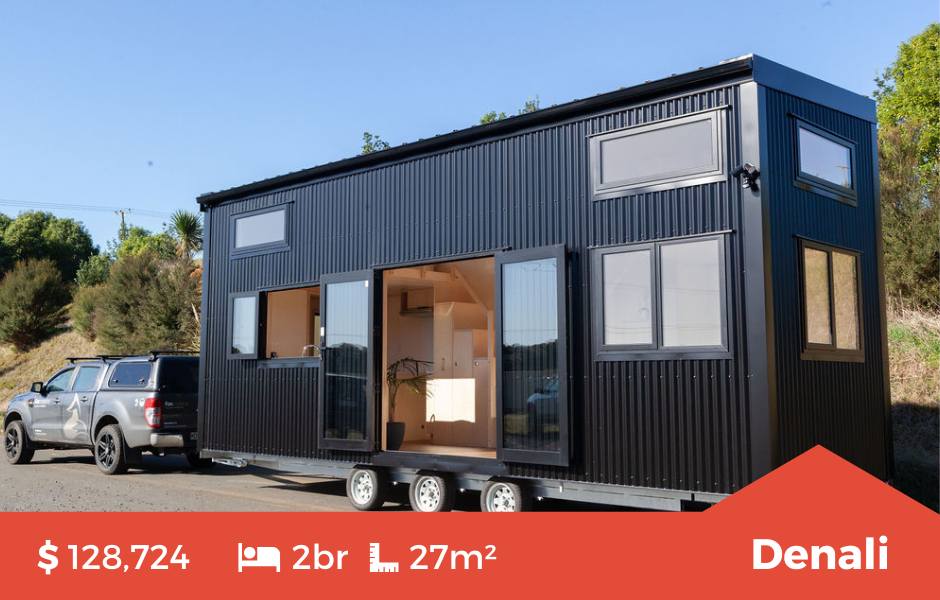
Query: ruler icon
{"points": [[375, 563]]}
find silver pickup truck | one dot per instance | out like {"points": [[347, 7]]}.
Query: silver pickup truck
{"points": [[119, 407]]}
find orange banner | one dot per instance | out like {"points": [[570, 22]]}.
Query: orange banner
{"points": [[817, 525]]}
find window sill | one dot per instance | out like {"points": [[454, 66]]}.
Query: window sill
{"points": [[849, 356], [664, 354], [289, 363]]}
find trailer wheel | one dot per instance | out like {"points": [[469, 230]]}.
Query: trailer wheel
{"points": [[504, 496], [432, 493], [366, 489]]}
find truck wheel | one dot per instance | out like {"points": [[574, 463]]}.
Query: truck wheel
{"points": [[196, 462], [19, 450], [110, 453], [431, 493], [366, 489], [503, 496]]}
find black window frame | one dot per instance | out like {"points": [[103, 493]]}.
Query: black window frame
{"points": [[285, 362], [818, 185], [829, 352], [125, 386], [604, 352], [265, 248], [666, 181], [230, 329]]}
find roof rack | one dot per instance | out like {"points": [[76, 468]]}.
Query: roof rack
{"points": [[155, 353]]}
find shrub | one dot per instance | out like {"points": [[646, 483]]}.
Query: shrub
{"points": [[32, 303], [93, 270], [147, 304], [83, 310]]}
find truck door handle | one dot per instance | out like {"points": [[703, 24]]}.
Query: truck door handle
{"points": [[57, 401], [83, 398]]}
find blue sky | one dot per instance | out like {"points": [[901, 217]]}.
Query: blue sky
{"points": [[146, 105]]}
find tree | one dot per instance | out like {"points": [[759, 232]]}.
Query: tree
{"points": [[138, 240], [186, 227], [84, 309], [908, 92], [32, 303], [909, 157], [372, 143], [93, 270], [36, 235], [147, 303], [531, 105]]}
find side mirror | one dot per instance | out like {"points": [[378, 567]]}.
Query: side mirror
{"points": [[38, 387]]}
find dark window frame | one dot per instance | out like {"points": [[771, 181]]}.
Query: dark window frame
{"points": [[369, 442], [265, 248], [562, 456], [230, 328], [604, 352], [124, 386], [830, 352], [285, 362], [818, 185], [666, 181]]}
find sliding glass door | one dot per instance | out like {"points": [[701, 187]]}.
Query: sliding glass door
{"points": [[347, 394], [531, 356]]}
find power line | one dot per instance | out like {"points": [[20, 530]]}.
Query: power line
{"points": [[84, 207]]}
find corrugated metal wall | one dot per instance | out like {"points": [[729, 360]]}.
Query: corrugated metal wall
{"points": [[837, 404], [669, 424]]}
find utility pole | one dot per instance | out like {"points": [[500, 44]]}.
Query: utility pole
{"points": [[122, 232]]}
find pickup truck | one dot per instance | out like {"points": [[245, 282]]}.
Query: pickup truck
{"points": [[118, 407]]}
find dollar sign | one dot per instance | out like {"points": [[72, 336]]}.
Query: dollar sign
{"points": [[47, 554]]}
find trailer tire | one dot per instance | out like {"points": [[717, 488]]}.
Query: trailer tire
{"points": [[504, 496], [430, 492], [366, 488], [19, 449], [111, 451]]}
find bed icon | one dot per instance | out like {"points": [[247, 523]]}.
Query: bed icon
{"points": [[258, 556]]}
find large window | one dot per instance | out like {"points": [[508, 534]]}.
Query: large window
{"points": [[131, 374], [663, 297], [292, 326], [260, 231], [826, 163], [831, 315], [680, 151]]}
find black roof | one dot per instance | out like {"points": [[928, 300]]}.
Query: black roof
{"points": [[751, 66]]}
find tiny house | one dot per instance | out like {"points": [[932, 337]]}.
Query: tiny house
{"points": [[646, 298]]}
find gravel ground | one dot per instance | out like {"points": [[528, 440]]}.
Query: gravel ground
{"points": [[58, 480]]}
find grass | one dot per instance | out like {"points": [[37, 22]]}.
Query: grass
{"points": [[914, 350], [19, 370]]}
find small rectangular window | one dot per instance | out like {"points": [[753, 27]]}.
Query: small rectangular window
{"points": [[831, 327], [243, 327], [260, 231], [826, 162], [660, 298], [669, 153], [130, 374]]}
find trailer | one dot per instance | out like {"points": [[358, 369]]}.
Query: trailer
{"points": [[647, 298]]}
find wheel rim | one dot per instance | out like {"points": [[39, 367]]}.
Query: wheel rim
{"points": [[363, 487], [105, 451], [428, 495], [500, 498], [12, 442]]}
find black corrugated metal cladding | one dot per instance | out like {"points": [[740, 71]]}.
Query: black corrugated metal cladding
{"points": [[837, 404], [664, 423]]}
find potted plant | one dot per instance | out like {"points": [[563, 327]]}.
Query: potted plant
{"points": [[411, 373]]}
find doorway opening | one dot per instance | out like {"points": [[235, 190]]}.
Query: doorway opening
{"points": [[441, 315]]}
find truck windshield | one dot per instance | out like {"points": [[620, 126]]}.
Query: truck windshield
{"points": [[178, 375]]}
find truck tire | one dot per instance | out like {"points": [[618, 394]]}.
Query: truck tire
{"points": [[196, 462], [366, 488], [110, 451], [430, 492], [504, 496], [19, 449]]}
